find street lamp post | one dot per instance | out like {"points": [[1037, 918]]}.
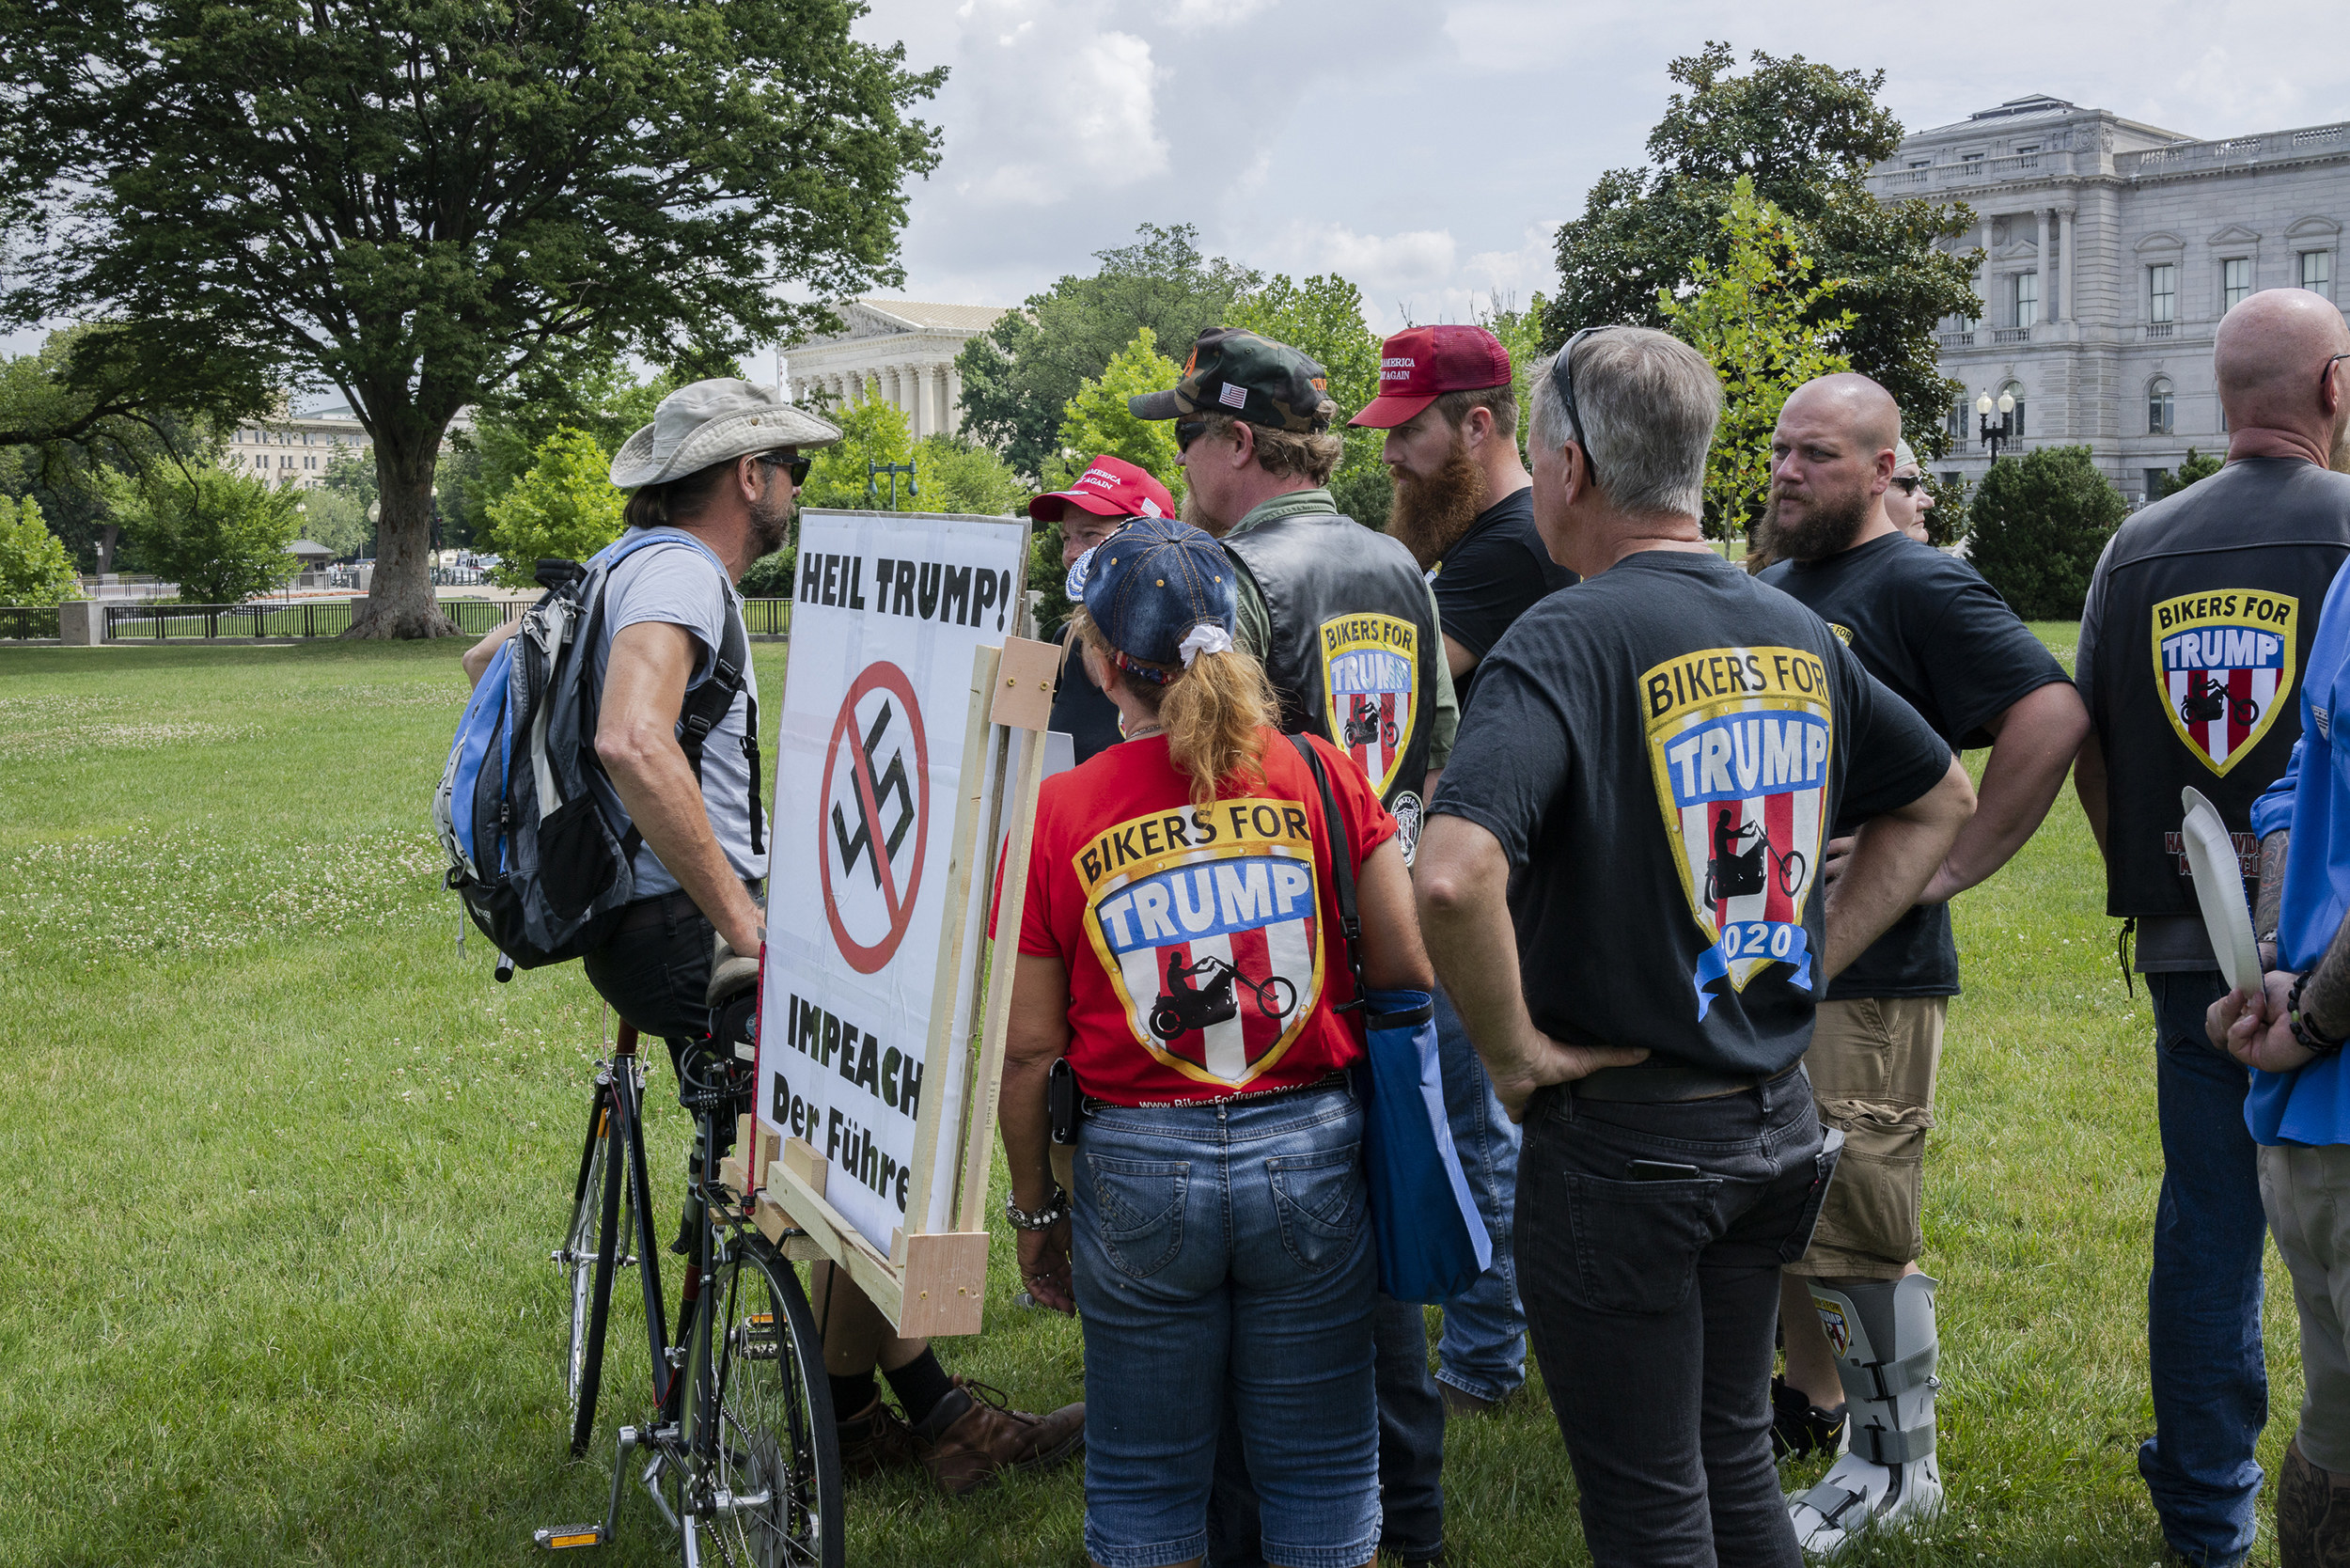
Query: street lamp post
{"points": [[875, 470], [2002, 432]]}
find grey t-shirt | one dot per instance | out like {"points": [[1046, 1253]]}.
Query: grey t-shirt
{"points": [[680, 582]]}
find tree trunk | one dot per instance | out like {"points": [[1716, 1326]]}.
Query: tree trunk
{"points": [[108, 536], [401, 602]]}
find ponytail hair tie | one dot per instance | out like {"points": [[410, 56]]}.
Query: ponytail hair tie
{"points": [[1206, 638]]}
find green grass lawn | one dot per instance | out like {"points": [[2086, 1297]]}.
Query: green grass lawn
{"points": [[279, 1170]]}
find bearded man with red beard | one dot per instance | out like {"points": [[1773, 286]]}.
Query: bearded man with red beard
{"points": [[1464, 506]]}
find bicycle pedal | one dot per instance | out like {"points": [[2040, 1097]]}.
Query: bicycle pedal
{"points": [[562, 1538]]}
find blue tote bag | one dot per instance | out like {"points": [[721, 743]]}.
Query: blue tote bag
{"points": [[1433, 1243]]}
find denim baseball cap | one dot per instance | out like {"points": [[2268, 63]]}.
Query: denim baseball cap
{"points": [[1161, 591]]}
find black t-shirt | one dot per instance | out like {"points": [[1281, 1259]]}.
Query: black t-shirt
{"points": [[1079, 709], [1932, 630], [1660, 750], [1498, 571]]}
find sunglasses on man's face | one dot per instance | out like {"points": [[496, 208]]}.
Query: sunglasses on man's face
{"points": [[1909, 482], [1188, 432], [795, 466]]}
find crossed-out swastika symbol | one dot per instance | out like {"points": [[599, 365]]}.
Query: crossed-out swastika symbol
{"points": [[870, 792]]}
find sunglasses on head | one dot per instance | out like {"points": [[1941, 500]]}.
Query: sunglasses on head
{"points": [[1562, 381], [795, 466], [1909, 482]]}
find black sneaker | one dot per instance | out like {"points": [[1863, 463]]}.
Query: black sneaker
{"points": [[1799, 1427]]}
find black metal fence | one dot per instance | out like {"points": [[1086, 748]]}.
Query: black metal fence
{"points": [[153, 622], [19, 622]]}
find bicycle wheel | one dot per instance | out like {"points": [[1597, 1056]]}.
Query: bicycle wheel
{"points": [[776, 1453], [591, 1275], [578, 1255]]}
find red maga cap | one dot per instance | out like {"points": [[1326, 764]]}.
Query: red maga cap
{"points": [[1110, 487], [1420, 363]]}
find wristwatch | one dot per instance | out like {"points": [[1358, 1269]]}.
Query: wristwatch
{"points": [[2305, 1029], [1054, 1211]]}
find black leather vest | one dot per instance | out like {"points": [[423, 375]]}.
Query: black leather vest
{"points": [[1354, 647], [2210, 605]]}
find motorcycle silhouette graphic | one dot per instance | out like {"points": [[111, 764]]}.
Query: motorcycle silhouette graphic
{"points": [[1363, 725], [1734, 872], [2207, 701], [1182, 1007]]}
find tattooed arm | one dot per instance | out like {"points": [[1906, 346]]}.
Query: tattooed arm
{"points": [[2268, 909]]}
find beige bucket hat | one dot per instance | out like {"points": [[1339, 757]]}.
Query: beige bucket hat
{"points": [[711, 421]]}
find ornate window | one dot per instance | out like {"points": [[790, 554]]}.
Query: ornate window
{"points": [[2027, 298], [2162, 292], [2161, 407]]}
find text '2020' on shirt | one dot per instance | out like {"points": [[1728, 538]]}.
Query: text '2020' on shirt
{"points": [[1203, 949], [681, 583], [1499, 569], [1660, 750], [1928, 627]]}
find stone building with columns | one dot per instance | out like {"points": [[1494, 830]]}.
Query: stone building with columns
{"points": [[2110, 250], [903, 348]]}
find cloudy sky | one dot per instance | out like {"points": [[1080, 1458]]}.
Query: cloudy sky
{"points": [[1426, 148]]}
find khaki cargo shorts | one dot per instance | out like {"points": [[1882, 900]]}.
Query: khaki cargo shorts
{"points": [[1873, 1064]]}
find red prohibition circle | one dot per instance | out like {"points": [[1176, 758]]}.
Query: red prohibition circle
{"points": [[884, 676]]}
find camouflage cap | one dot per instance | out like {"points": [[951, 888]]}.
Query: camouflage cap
{"points": [[1248, 376]]}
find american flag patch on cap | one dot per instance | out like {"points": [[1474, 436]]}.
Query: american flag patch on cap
{"points": [[1233, 395]]}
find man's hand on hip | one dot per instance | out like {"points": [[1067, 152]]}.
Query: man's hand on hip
{"points": [[1543, 1061]]}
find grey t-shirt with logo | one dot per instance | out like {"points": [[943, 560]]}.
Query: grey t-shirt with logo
{"points": [[680, 582]]}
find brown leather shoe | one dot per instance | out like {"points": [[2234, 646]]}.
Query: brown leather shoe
{"points": [[973, 1435], [875, 1439]]}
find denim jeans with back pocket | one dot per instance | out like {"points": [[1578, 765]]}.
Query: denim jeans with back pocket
{"points": [[1223, 1249], [1651, 1305]]}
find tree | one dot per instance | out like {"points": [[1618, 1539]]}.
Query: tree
{"points": [[1096, 421], [1759, 321], [337, 520], [841, 474], [221, 537], [2037, 525], [2199, 465], [1019, 376], [1521, 334], [564, 506], [1806, 136], [34, 567], [962, 476], [1323, 317], [420, 204]]}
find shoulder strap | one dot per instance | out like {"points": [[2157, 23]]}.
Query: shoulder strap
{"points": [[1341, 868]]}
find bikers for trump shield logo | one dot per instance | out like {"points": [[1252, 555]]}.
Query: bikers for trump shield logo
{"points": [[1370, 671], [1739, 739], [1208, 924], [2223, 668]]}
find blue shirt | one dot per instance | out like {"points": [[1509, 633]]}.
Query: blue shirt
{"points": [[2312, 1104]]}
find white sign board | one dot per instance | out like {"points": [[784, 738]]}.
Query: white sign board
{"points": [[854, 1055]]}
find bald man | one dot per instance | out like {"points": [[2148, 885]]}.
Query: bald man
{"points": [[1857, 1314], [2199, 624]]}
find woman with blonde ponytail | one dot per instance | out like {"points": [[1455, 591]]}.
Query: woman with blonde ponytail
{"points": [[1182, 965]]}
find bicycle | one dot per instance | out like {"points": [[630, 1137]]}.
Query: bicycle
{"points": [[745, 1462]]}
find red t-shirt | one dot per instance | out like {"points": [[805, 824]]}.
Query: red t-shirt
{"points": [[1199, 962]]}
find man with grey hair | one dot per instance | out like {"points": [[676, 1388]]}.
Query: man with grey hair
{"points": [[1639, 980]]}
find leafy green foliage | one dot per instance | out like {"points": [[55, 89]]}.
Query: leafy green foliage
{"points": [[422, 204], [1761, 323], [2199, 465], [602, 398], [2037, 525], [34, 567], [1945, 520], [841, 474], [1096, 421], [1521, 334], [221, 537], [1323, 317], [1019, 376], [564, 506], [962, 476], [337, 520], [1806, 136]]}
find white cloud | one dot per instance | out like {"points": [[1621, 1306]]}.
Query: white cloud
{"points": [[1198, 15], [1056, 106]]}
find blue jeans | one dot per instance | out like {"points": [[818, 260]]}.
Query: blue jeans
{"points": [[2203, 1298], [1223, 1252], [1483, 1349]]}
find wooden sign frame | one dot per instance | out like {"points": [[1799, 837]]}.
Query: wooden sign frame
{"points": [[933, 1282]]}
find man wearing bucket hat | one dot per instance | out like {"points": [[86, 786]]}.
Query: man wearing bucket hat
{"points": [[1109, 492], [714, 479], [1463, 508], [1346, 628]]}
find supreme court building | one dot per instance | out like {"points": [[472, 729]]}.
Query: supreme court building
{"points": [[2111, 251], [903, 350]]}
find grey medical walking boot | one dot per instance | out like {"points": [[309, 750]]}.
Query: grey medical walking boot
{"points": [[1883, 1335]]}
